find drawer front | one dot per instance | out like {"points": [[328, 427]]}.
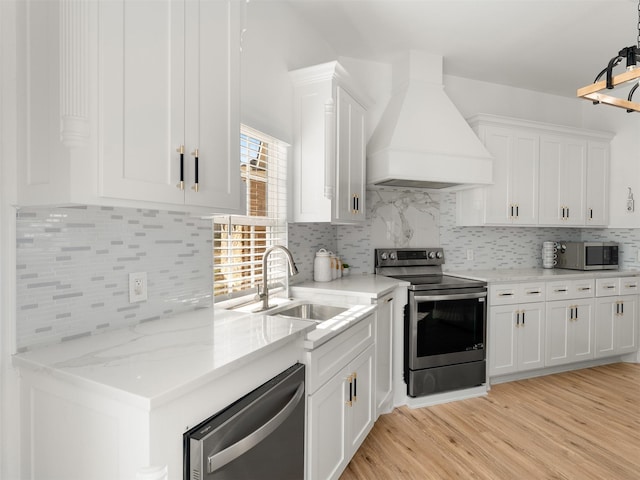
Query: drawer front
{"points": [[328, 359], [512, 293], [629, 285], [583, 288], [503, 294], [565, 290], [607, 287], [532, 292]]}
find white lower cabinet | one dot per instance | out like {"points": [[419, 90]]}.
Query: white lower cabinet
{"points": [[616, 316], [384, 354], [340, 410], [516, 338], [570, 331]]}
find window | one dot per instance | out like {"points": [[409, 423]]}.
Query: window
{"points": [[239, 241]]}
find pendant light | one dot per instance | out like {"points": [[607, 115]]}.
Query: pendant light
{"points": [[596, 91]]}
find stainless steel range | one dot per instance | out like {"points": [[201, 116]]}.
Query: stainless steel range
{"points": [[445, 321]]}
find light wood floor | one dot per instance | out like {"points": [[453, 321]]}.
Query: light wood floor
{"points": [[578, 425]]}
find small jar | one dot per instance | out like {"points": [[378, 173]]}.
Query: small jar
{"points": [[322, 266]]}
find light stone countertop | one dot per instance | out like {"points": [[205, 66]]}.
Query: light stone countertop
{"points": [[536, 274], [153, 362], [369, 285]]}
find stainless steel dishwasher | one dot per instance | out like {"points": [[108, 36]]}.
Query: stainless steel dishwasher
{"points": [[259, 436]]}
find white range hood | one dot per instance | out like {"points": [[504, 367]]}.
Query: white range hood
{"points": [[422, 140]]}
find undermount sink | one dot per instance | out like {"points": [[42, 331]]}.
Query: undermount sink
{"points": [[311, 311]]}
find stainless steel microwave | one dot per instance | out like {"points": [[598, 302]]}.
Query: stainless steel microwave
{"points": [[587, 255]]}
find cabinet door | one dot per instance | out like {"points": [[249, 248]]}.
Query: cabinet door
{"points": [[604, 326], [597, 189], [361, 412], [326, 428], [349, 202], [384, 338], [498, 199], [525, 178], [502, 340], [582, 336], [559, 317], [513, 197], [627, 325], [574, 178], [142, 93], [562, 180], [212, 123], [531, 336]]}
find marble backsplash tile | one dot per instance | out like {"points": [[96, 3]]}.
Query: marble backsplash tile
{"points": [[73, 266]]}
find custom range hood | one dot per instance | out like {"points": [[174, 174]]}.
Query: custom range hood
{"points": [[422, 140]]}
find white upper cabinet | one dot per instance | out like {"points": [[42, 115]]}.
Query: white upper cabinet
{"points": [[328, 175], [157, 78], [171, 72], [563, 176], [513, 197], [542, 175], [597, 184]]}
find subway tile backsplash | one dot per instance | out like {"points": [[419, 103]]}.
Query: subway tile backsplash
{"points": [[73, 266]]}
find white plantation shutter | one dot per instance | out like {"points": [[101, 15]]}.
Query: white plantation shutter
{"points": [[239, 241]]}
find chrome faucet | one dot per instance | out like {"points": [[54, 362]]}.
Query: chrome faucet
{"points": [[293, 270]]}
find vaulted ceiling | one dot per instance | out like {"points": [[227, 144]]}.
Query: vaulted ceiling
{"points": [[549, 46]]}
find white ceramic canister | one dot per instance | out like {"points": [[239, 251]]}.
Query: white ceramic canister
{"points": [[322, 266]]}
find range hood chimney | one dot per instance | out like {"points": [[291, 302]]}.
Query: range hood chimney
{"points": [[422, 140]]}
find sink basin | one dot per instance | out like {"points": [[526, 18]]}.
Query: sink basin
{"points": [[311, 311]]}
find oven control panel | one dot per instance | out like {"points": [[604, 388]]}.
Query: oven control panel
{"points": [[409, 257]]}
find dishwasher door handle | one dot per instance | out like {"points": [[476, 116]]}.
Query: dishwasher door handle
{"points": [[221, 458]]}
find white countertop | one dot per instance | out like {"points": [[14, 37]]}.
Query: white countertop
{"points": [[373, 286], [535, 274], [156, 361]]}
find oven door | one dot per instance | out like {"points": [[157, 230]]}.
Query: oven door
{"points": [[446, 328]]}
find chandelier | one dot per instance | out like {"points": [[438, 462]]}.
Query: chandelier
{"points": [[596, 92]]}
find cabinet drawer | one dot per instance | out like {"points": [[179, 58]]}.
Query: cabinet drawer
{"points": [[607, 287], [563, 290], [328, 359], [629, 285], [512, 293]]}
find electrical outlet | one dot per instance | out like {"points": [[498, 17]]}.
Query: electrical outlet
{"points": [[469, 254], [137, 287]]}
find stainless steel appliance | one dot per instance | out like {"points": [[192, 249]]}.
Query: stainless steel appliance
{"points": [[259, 436], [445, 321], [587, 255]]}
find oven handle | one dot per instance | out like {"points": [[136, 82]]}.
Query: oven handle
{"points": [[453, 296]]}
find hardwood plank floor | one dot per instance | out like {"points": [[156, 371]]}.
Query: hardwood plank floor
{"points": [[581, 425]]}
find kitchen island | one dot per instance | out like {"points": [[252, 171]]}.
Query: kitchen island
{"points": [[110, 405]]}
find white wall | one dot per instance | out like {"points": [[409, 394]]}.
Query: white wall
{"points": [[9, 383], [275, 42]]}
